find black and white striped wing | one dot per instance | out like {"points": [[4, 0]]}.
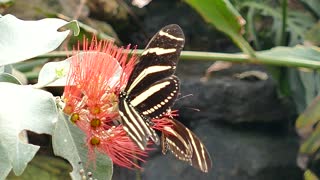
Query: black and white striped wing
{"points": [[155, 100], [151, 89], [158, 60], [135, 125], [186, 146], [177, 142]]}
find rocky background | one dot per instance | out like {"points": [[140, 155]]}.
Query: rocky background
{"points": [[247, 128]]}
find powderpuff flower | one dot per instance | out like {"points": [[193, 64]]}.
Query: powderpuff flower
{"points": [[165, 122], [96, 76]]}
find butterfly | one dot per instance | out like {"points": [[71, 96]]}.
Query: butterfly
{"points": [[152, 88], [150, 93]]}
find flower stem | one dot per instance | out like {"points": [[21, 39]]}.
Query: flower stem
{"points": [[237, 58]]}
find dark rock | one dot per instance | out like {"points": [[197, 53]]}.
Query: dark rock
{"points": [[227, 98], [236, 154]]}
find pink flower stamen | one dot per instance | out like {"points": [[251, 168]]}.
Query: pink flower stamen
{"points": [[96, 76]]}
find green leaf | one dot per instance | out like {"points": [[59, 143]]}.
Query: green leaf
{"points": [[23, 108], [69, 142], [6, 77], [5, 3], [28, 66], [297, 89], [304, 83], [308, 127], [309, 175], [72, 25], [6, 69], [21, 40], [311, 144], [44, 167], [307, 120], [312, 35], [296, 54], [222, 15], [314, 5], [297, 22]]}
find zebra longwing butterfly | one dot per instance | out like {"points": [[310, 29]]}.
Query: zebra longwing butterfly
{"points": [[152, 88], [185, 145]]}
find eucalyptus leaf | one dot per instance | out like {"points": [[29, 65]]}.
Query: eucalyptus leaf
{"points": [[69, 142], [55, 73], [5, 77], [6, 69], [21, 40], [4, 159], [23, 108]]}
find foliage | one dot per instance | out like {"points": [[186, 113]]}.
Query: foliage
{"points": [[297, 24], [26, 107], [29, 108], [224, 17], [288, 27]]}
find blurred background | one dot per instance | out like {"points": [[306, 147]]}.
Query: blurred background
{"points": [[245, 113]]}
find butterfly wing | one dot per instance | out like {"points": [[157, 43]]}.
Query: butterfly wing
{"points": [[135, 125], [186, 146], [155, 100], [175, 140], [158, 60], [151, 84]]}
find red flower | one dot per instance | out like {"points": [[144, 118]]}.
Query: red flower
{"points": [[96, 76]]}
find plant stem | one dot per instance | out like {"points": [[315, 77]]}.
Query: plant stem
{"points": [[211, 56], [243, 45], [238, 58]]}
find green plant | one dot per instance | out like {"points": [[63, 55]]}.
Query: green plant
{"points": [[289, 27], [219, 13], [27, 107]]}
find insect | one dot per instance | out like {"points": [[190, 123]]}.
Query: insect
{"points": [[185, 145], [150, 93], [152, 88]]}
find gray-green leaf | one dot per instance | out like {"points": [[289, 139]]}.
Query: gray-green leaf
{"points": [[21, 40], [23, 108], [5, 77], [69, 142]]}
